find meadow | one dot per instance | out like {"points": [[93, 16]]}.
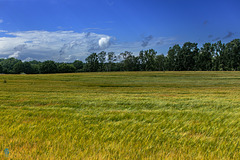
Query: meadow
{"points": [[120, 115]]}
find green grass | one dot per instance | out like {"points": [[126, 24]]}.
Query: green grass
{"points": [[121, 115]]}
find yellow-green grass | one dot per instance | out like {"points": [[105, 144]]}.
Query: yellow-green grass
{"points": [[121, 115]]}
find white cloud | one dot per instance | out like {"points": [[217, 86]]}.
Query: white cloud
{"points": [[104, 42], [58, 46], [14, 55], [67, 46], [1, 21]]}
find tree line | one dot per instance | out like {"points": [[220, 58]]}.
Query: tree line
{"points": [[188, 57]]}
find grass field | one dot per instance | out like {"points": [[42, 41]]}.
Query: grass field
{"points": [[121, 115]]}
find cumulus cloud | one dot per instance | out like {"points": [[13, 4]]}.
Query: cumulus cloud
{"points": [[45, 45], [104, 42]]}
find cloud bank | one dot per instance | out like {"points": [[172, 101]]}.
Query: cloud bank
{"points": [[67, 46], [44, 45]]}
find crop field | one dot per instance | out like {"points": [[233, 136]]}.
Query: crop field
{"points": [[120, 115]]}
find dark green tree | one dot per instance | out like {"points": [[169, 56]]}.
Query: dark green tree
{"points": [[1, 69], [111, 59], [66, 68], [28, 68], [205, 58], [34, 62], [129, 62], [123, 65], [35, 68], [92, 64], [18, 67], [23, 67], [160, 62], [218, 56], [48, 67], [78, 65], [187, 57], [147, 60], [171, 57], [102, 58], [233, 54], [8, 64], [142, 60], [35, 65]]}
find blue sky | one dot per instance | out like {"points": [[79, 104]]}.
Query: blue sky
{"points": [[65, 30]]}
